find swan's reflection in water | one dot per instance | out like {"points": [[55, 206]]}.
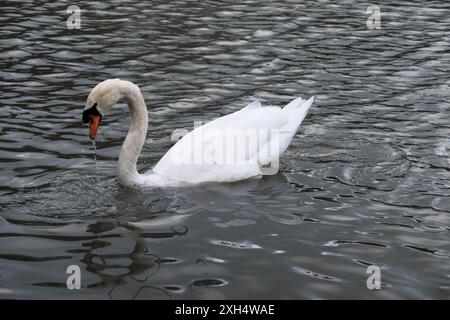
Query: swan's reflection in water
{"points": [[138, 266], [128, 273]]}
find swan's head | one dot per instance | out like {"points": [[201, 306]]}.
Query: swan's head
{"points": [[101, 99]]}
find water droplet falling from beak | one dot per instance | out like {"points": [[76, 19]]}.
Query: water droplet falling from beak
{"points": [[95, 155]]}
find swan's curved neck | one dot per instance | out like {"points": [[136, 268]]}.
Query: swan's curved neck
{"points": [[132, 146]]}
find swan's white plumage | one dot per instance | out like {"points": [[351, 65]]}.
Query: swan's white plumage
{"points": [[253, 117], [252, 105], [170, 171]]}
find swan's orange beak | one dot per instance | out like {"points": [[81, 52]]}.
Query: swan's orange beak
{"points": [[94, 123]]}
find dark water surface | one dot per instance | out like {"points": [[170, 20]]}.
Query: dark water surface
{"points": [[366, 181]]}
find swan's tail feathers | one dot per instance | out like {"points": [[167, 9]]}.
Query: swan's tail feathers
{"points": [[294, 104], [307, 104], [298, 113], [299, 103]]}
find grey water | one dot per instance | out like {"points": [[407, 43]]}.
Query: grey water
{"points": [[366, 181]]}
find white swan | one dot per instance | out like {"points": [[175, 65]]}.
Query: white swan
{"points": [[231, 148]]}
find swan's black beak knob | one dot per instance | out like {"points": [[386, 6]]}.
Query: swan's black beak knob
{"points": [[93, 117]]}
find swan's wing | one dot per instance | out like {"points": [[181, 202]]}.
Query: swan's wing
{"points": [[233, 147], [252, 105]]}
